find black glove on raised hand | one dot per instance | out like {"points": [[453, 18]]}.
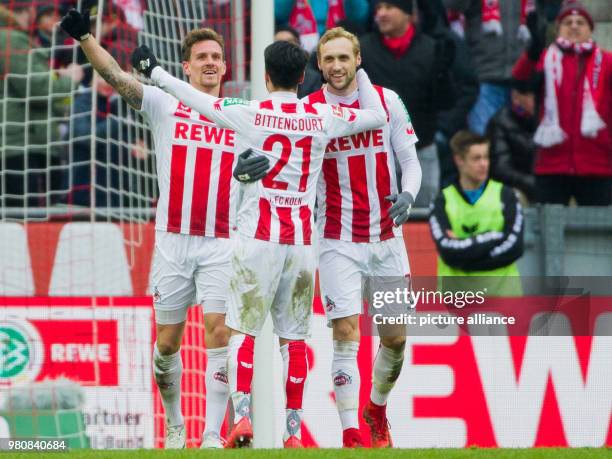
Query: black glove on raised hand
{"points": [[76, 25], [144, 61], [249, 168], [538, 41], [400, 210]]}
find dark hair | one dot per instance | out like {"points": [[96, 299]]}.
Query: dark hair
{"points": [[462, 141], [287, 28], [285, 63], [198, 35]]}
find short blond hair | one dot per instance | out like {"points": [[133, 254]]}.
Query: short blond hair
{"points": [[339, 32]]}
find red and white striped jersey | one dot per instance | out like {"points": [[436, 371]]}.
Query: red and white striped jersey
{"points": [[294, 135], [194, 168], [359, 171]]}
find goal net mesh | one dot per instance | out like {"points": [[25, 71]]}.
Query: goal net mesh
{"points": [[78, 192]]}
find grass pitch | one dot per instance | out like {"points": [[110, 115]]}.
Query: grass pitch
{"points": [[467, 453]]}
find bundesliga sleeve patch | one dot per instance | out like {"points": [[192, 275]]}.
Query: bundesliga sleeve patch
{"points": [[234, 101]]}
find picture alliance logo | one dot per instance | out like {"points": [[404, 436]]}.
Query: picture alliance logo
{"points": [[20, 352]]}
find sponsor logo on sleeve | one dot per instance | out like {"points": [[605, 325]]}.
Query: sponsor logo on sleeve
{"points": [[234, 101]]}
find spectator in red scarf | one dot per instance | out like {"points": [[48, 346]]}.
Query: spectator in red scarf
{"points": [[575, 129]]}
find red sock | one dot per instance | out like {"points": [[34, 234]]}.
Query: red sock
{"points": [[297, 371], [244, 364]]}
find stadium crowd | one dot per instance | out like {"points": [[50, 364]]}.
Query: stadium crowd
{"points": [[526, 74]]}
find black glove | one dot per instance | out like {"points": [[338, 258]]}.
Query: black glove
{"points": [[400, 210], [537, 32], [144, 61], [76, 24], [249, 168]]}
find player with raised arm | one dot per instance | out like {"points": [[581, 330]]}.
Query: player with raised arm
{"points": [[274, 261], [360, 212], [192, 262]]}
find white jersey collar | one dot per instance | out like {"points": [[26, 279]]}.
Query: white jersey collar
{"points": [[283, 95], [346, 100]]}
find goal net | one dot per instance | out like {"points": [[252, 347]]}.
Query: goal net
{"points": [[77, 202]]}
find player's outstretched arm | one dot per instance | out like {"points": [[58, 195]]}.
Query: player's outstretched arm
{"points": [[77, 26]]}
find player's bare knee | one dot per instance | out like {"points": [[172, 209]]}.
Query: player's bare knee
{"points": [[397, 343], [219, 335], [168, 346], [346, 329]]}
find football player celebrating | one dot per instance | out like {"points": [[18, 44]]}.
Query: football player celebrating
{"points": [[192, 261], [360, 212]]}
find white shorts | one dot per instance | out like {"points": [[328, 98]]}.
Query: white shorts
{"points": [[278, 278], [343, 266], [189, 270]]}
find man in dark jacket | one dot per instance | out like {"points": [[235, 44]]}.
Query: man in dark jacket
{"points": [[434, 22], [417, 67], [512, 147]]}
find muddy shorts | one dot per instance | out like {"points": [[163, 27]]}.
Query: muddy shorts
{"points": [[275, 278]]}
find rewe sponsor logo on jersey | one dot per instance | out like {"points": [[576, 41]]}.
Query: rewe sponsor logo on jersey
{"points": [[365, 139], [204, 133], [295, 380], [246, 365]]}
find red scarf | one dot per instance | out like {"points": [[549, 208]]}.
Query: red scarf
{"points": [[303, 20], [549, 132], [335, 13], [491, 17], [399, 45]]}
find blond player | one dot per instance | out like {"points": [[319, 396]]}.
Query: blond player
{"points": [[360, 209], [274, 260], [192, 261]]}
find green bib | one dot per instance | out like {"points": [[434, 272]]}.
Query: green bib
{"points": [[483, 216]]}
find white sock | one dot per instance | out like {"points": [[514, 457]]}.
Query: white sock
{"points": [[217, 389], [346, 381], [168, 370], [387, 367], [241, 402], [293, 424]]}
